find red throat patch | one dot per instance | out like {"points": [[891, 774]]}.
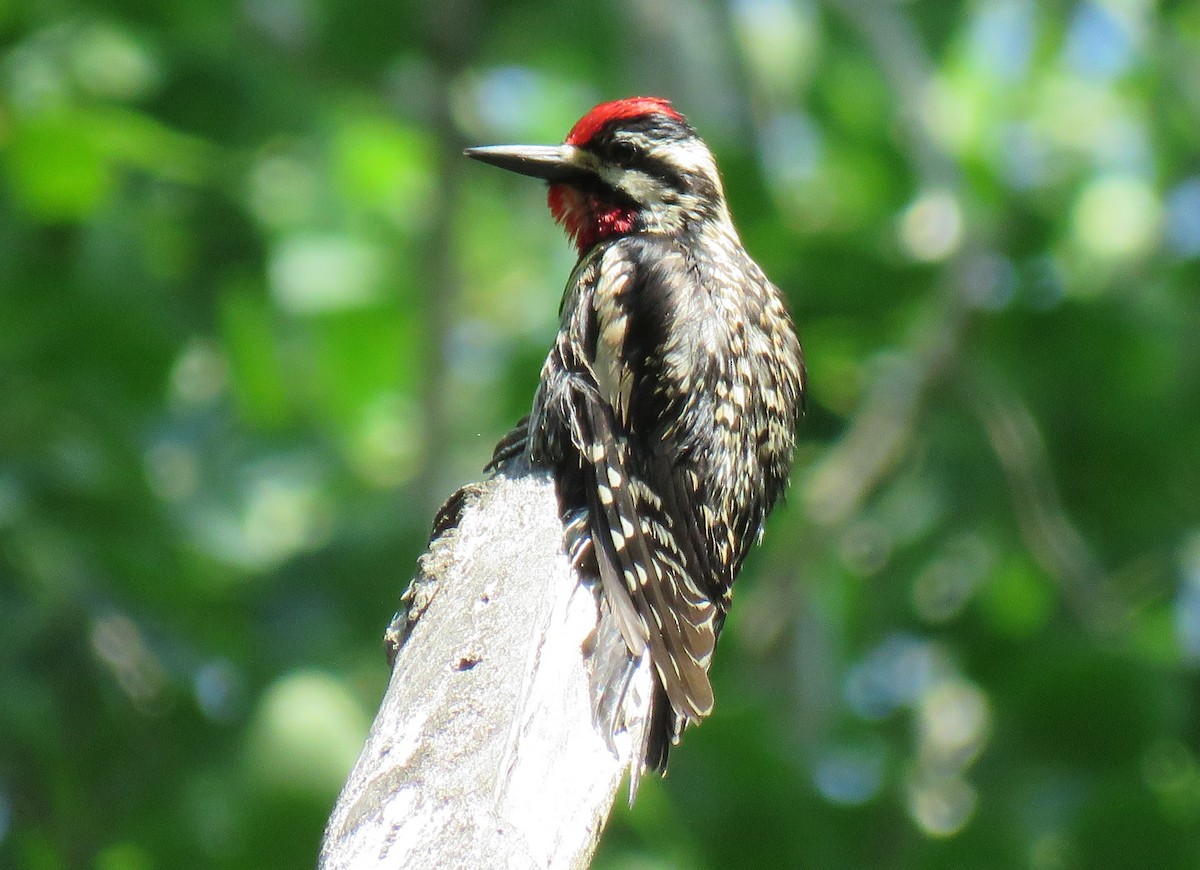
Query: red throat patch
{"points": [[586, 218], [631, 107]]}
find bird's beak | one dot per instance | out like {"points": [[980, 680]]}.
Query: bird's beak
{"points": [[549, 162]]}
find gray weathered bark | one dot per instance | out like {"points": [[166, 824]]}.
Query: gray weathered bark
{"points": [[486, 751]]}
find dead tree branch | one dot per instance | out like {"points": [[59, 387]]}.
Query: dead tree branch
{"points": [[485, 752]]}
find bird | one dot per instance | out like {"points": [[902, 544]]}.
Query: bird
{"points": [[668, 403]]}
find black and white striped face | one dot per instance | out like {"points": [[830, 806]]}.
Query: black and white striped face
{"points": [[659, 165]]}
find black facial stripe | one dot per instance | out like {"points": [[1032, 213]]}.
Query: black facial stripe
{"points": [[622, 152], [614, 145], [660, 127]]}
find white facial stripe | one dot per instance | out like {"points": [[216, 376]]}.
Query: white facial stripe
{"points": [[641, 186], [690, 156]]}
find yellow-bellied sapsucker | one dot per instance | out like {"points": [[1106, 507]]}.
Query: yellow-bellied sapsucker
{"points": [[668, 404]]}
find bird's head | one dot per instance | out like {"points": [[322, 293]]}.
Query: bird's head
{"points": [[629, 166]]}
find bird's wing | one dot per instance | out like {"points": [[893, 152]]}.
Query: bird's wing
{"points": [[642, 570], [637, 532]]}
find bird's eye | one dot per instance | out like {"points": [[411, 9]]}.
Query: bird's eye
{"points": [[623, 152]]}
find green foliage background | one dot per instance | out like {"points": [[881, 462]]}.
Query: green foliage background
{"points": [[258, 318]]}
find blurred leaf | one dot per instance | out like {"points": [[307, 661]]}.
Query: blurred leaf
{"points": [[259, 382], [386, 169], [1017, 599], [57, 168]]}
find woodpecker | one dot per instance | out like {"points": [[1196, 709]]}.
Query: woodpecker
{"points": [[667, 406]]}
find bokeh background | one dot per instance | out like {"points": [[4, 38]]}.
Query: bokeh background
{"points": [[258, 317]]}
